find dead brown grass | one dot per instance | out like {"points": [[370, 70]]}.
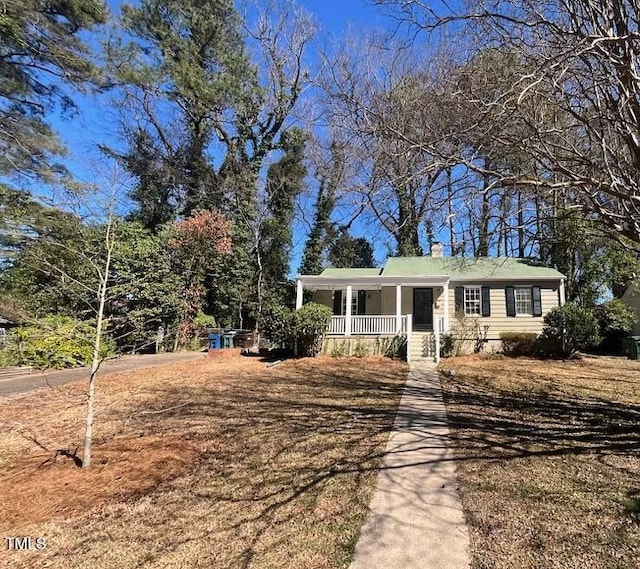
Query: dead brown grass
{"points": [[217, 463], [548, 456]]}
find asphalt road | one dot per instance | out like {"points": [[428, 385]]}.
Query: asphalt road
{"points": [[23, 383]]}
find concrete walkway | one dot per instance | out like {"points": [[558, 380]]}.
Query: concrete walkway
{"points": [[415, 519]]}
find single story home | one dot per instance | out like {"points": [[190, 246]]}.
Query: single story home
{"points": [[631, 298], [422, 298]]}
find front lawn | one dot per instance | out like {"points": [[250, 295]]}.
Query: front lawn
{"points": [[213, 463], [548, 460]]}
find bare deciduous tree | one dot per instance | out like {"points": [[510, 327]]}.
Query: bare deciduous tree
{"points": [[388, 108], [582, 56]]}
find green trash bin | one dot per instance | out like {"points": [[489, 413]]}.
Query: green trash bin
{"points": [[227, 340], [633, 348]]}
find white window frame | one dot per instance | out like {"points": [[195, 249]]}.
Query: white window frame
{"points": [[354, 303], [520, 302], [473, 302]]}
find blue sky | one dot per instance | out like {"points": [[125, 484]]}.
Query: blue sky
{"points": [[338, 15]]}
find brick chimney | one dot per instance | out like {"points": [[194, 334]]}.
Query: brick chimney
{"points": [[436, 249]]}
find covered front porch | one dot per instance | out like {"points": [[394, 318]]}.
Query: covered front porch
{"points": [[376, 325], [372, 306]]}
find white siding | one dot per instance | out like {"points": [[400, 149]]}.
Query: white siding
{"points": [[373, 302], [388, 303], [384, 302], [499, 322]]}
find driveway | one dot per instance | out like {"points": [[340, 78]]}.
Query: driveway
{"points": [[22, 383]]}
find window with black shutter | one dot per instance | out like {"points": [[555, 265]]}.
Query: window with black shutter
{"points": [[337, 302], [486, 301], [459, 299], [523, 301], [537, 300], [362, 302], [511, 300]]}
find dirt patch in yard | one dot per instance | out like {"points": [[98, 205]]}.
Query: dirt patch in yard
{"points": [[222, 463], [548, 460]]}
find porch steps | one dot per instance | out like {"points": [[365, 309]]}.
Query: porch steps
{"points": [[422, 346]]}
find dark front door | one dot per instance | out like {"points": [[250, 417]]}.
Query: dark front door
{"points": [[423, 309]]}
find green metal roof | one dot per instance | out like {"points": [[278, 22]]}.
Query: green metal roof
{"points": [[345, 273], [483, 268], [454, 269]]}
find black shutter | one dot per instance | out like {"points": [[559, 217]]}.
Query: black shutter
{"points": [[459, 301], [537, 300], [362, 302], [511, 301], [337, 302], [486, 303]]}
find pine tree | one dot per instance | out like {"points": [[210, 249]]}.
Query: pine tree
{"points": [[285, 181], [205, 121], [351, 252], [41, 54], [322, 232], [187, 73]]}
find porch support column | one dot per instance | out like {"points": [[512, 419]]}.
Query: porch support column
{"points": [[445, 300], [347, 312], [398, 309], [561, 293], [298, 294]]}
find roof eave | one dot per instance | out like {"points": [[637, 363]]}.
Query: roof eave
{"points": [[509, 279]]}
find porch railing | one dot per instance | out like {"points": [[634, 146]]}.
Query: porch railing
{"points": [[379, 325], [336, 327]]}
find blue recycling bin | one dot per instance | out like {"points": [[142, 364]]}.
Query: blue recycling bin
{"points": [[214, 341]]}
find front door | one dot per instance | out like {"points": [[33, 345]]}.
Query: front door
{"points": [[423, 309]]}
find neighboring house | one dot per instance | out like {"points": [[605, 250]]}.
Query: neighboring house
{"points": [[424, 297], [7, 321], [631, 298]]}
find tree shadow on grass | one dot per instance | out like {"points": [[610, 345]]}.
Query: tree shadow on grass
{"points": [[493, 423], [297, 449], [278, 449], [545, 476]]}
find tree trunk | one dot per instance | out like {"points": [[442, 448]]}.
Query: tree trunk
{"points": [[483, 222], [452, 235], [95, 363], [483, 227], [521, 252], [408, 225]]}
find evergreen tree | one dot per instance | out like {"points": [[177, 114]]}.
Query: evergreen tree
{"points": [[285, 181], [351, 252], [40, 55], [187, 74], [322, 232], [315, 248], [205, 120], [22, 220]]}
